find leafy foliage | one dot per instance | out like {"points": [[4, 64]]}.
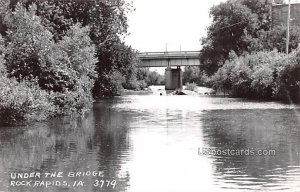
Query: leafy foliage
{"points": [[191, 86], [2, 55], [59, 73], [60, 49], [274, 38], [241, 26], [193, 74], [117, 64], [150, 77], [23, 101], [262, 9], [230, 22], [107, 22], [109, 84], [264, 75], [243, 52], [288, 83], [29, 41]]}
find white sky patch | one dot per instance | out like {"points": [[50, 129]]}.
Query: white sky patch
{"points": [[175, 23]]}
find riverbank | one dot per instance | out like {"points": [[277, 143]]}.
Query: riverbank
{"points": [[197, 90], [160, 90], [272, 76]]}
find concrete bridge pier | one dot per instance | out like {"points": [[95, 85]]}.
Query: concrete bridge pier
{"points": [[173, 78]]}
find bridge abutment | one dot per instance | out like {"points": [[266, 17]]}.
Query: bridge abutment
{"points": [[173, 78]]}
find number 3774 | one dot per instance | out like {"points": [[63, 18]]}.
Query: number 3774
{"points": [[105, 183]]}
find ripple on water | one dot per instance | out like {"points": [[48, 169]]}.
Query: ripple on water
{"points": [[151, 142]]}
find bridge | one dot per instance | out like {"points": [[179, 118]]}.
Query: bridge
{"points": [[168, 59], [173, 77]]}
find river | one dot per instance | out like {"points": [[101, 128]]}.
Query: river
{"points": [[154, 143]]}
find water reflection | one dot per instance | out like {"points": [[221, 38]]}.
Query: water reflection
{"points": [[259, 129], [92, 143], [151, 142]]}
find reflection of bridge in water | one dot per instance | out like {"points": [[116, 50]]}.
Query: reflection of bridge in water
{"points": [[173, 77]]}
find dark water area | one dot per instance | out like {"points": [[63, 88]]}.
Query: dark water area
{"points": [[151, 143]]}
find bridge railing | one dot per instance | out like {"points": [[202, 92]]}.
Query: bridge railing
{"points": [[169, 54]]}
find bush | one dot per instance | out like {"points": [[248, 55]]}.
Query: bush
{"points": [[131, 83], [52, 58], [193, 74], [150, 77], [190, 86], [142, 84], [263, 75], [23, 101], [65, 67], [287, 85], [109, 84]]}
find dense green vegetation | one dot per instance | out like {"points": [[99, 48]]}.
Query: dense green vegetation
{"points": [[57, 56], [190, 86], [241, 26], [262, 75], [146, 78], [243, 54], [193, 74]]}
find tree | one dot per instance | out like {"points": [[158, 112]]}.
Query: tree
{"points": [[80, 53], [66, 67], [238, 25], [288, 83], [107, 19], [192, 74], [29, 41], [231, 21], [2, 55], [261, 75], [263, 10], [52, 52], [150, 77], [108, 24], [21, 100], [4, 6], [275, 38], [117, 64], [155, 78]]}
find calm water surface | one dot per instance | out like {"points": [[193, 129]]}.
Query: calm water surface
{"points": [[151, 143]]}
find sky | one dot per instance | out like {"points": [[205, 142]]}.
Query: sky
{"points": [[157, 25]]}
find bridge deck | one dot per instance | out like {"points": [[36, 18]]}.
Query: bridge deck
{"points": [[164, 59], [169, 55]]}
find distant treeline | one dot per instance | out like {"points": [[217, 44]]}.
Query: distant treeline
{"points": [[57, 56], [244, 55]]}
